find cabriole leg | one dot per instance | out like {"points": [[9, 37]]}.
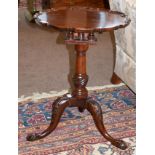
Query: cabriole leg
{"points": [[59, 106], [95, 109]]}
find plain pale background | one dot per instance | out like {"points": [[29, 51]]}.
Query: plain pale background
{"points": [[145, 77]]}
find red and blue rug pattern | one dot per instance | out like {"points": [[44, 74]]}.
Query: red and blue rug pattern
{"points": [[76, 133]]}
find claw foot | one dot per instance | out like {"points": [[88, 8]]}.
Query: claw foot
{"points": [[33, 137], [120, 144]]}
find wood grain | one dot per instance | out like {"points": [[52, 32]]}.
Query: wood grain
{"points": [[83, 19]]}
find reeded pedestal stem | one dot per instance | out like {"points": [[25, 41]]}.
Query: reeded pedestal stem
{"points": [[80, 78]]}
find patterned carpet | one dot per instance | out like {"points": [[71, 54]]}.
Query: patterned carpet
{"points": [[76, 134]]}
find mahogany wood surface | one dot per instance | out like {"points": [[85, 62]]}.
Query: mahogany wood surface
{"points": [[83, 19], [92, 20], [115, 79], [67, 3]]}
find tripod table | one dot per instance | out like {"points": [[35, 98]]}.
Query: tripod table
{"points": [[80, 25]]}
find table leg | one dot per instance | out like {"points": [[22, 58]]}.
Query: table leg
{"points": [[115, 79], [95, 109], [58, 108]]}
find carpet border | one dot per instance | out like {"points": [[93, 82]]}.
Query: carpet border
{"points": [[37, 96]]}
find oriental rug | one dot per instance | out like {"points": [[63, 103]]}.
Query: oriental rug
{"points": [[76, 133]]}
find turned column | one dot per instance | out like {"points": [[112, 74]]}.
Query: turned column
{"points": [[80, 78]]}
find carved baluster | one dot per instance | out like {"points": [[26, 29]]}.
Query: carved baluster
{"points": [[91, 37]]}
